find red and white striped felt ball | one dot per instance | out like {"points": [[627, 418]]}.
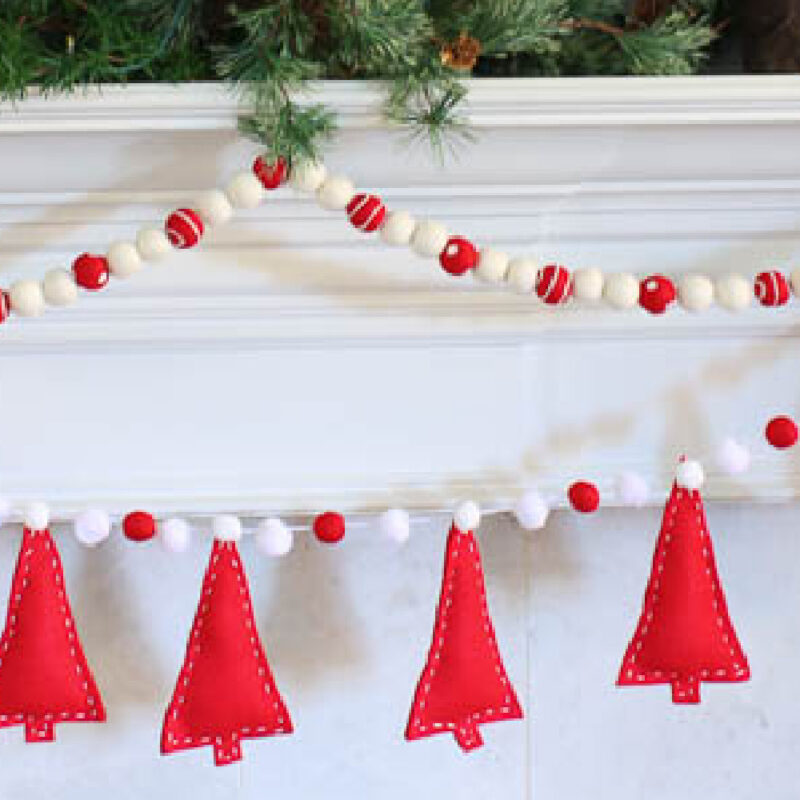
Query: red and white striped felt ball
{"points": [[554, 284], [366, 212], [772, 288], [184, 228]]}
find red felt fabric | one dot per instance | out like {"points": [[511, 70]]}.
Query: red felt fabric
{"points": [[44, 677], [684, 635], [459, 256], [584, 497], [271, 173], [781, 432], [329, 527], [464, 683], [225, 691], [139, 526], [366, 212], [656, 293], [554, 284], [90, 271], [5, 306]]}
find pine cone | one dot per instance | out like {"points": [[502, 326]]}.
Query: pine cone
{"points": [[461, 53]]}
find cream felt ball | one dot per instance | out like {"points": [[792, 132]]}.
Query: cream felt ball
{"points": [[429, 239], [123, 259], [245, 190], [307, 176], [59, 288], [467, 516], [175, 535], [335, 193], [632, 489], [531, 511], [733, 292], [5, 510], [398, 228], [587, 285], [695, 292], [521, 276], [26, 298], [36, 516], [274, 538], [690, 475], [227, 528], [492, 266], [733, 458], [395, 524], [152, 244], [92, 527], [214, 207], [621, 291]]}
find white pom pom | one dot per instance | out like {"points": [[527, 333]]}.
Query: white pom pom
{"points": [[123, 259], [621, 291], [5, 510], [521, 275], [587, 285], [398, 228], [695, 292], [690, 475], [734, 292], [213, 207], [632, 489], [335, 193], [227, 528], [467, 516], [395, 524], [245, 190], [59, 288], [429, 239], [26, 298], [175, 534], [307, 176], [492, 266], [531, 511], [274, 538], [733, 458], [152, 244], [36, 516], [92, 527]]}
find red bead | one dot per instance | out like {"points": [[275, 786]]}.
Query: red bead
{"points": [[554, 284], [184, 228], [91, 272], [139, 526], [271, 173], [459, 256], [366, 212], [584, 497], [5, 306], [656, 293], [329, 527], [772, 288], [781, 432]]}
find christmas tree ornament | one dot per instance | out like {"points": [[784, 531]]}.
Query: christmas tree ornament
{"points": [[584, 497], [139, 526], [781, 432], [175, 535], [458, 256], [213, 207], [553, 284], [271, 172], [90, 271], [274, 538], [245, 191], [429, 238], [521, 276], [587, 285], [395, 525], [492, 266], [335, 193], [632, 489], [621, 291], [59, 288], [225, 691], [44, 677], [329, 527], [531, 511], [398, 228], [184, 228], [366, 212], [733, 458], [656, 294], [123, 259], [771, 288], [26, 298], [695, 292], [733, 292], [307, 176], [684, 635], [690, 475], [92, 527], [227, 528], [152, 244], [464, 683]]}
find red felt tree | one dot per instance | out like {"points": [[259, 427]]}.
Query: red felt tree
{"points": [[44, 677], [684, 635], [464, 683], [225, 691]]}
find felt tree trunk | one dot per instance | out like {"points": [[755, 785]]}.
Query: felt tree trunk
{"points": [[684, 635], [464, 683], [44, 677], [225, 691]]}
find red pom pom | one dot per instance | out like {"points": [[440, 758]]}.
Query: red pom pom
{"points": [[184, 228], [772, 288], [459, 256], [554, 284], [139, 526], [656, 293], [366, 212], [91, 272], [5, 306], [329, 527], [271, 173], [584, 497], [782, 432]]}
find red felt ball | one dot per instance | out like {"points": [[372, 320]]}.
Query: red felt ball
{"points": [[271, 173], [91, 272], [184, 228], [139, 526], [772, 288], [656, 293], [584, 497], [329, 527], [781, 432], [459, 256], [554, 284], [366, 212], [5, 306]]}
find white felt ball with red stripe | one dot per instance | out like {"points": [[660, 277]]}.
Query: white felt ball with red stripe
{"points": [[59, 288], [398, 228], [175, 535], [274, 538], [690, 475], [366, 212], [36, 516], [26, 298], [587, 285], [772, 288], [123, 259], [695, 292], [621, 291], [245, 190], [92, 527], [152, 244], [492, 266], [429, 239], [185, 228], [733, 292], [214, 207], [554, 284], [467, 516], [521, 275], [335, 193]]}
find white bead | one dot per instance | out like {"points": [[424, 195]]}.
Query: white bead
{"points": [[36, 516], [307, 176], [59, 288], [521, 276], [227, 528], [92, 527], [621, 291], [632, 489], [734, 292], [26, 298], [5, 510], [123, 259], [587, 285], [531, 511], [695, 292], [398, 228], [733, 458], [395, 524], [175, 535], [152, 244], [213, 207], [429, 239], [690, 475], [335, 193], [245, 190], [274, 538], [492, 266], [467, 516]]}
